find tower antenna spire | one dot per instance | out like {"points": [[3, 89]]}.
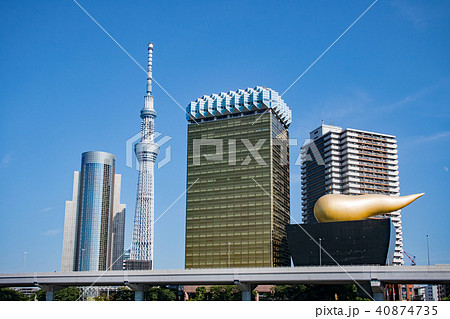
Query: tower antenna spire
{"points": [[149, 72]]}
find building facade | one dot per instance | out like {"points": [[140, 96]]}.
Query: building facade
{"points": [[431, 293], [408, 292], [94, 220], [146, 152], [353, 162], [443, 291], [237, 204]]}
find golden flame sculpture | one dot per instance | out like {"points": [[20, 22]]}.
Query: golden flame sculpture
{"points": [[337, 207]]}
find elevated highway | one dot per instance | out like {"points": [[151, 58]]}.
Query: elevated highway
{"points": [[245, 278]]}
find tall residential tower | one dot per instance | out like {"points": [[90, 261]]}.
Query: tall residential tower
{"points": [[237, 202], [94, 222], [352, 162], [146, 152]]}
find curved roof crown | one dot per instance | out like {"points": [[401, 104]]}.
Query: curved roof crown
{"points": [[240, 101]]}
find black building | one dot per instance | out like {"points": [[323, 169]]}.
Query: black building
{"points": [[362, 242]]}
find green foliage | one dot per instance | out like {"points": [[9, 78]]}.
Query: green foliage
{"points": [[154, 293], [200, 294], [362, 299], [68, 294], [160, 294], [101, 298], [225, 293], [446, 298], [39, 295], [316, 293], [7, 294], [220, 293], [123, 294], [288, 292]]}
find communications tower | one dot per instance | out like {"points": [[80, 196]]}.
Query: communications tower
{"points": [[146, 153]]}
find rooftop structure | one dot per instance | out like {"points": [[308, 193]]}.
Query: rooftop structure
{"points": [[239, 102]]}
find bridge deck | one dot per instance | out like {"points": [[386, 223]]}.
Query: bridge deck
{"points": [[436, 274]]}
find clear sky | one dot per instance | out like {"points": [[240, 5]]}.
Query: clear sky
{"points": [[67, 88]]}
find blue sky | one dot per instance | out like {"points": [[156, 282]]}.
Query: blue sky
{"points": [[66, 88]]}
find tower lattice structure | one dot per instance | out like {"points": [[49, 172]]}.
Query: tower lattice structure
{"points": [[146, 152]]}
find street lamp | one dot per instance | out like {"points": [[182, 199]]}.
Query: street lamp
{"points": [[428, 249], [24, 260], [320, 251]]}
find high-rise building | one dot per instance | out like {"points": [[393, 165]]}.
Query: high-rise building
{"points": [[238, 202], [353, 162], [94, 222], [146, 152]]}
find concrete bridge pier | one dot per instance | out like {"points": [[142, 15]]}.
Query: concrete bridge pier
{"points": [[50, 291], [377, 290], [139, 291], [139, 295], [246, 290]]}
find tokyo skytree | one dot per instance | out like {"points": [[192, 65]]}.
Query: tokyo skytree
{"points": [[146, 153]]}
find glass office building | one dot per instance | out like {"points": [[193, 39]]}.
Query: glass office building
{"points": [[95, 219], [238, 180]]}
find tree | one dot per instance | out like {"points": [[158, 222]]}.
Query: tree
{"points": [[154, 293], [226, 293], [200, 293], [160, 294], [446, 298], [316, 293], [288, 292], [123, 294], [39, 295], [68, 294], [7, 294], [101, 298]]}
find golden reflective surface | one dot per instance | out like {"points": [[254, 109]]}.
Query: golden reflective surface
{"points": [[337, 207], [232, 221]]}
